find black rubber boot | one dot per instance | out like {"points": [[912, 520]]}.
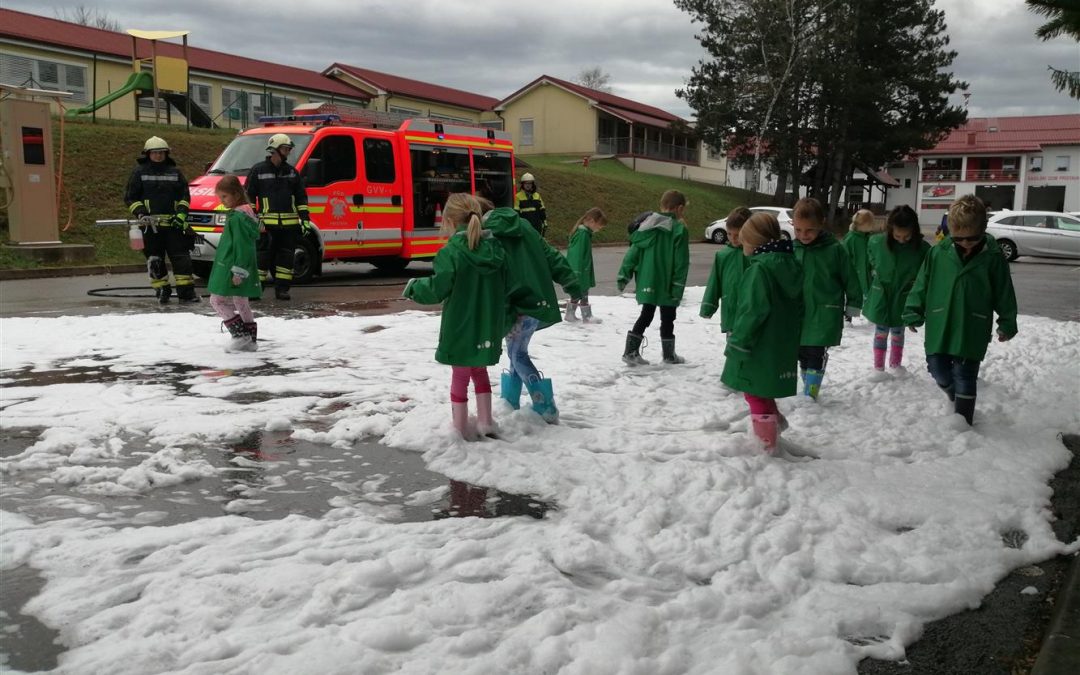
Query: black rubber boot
{"points": [[163, 294], [186, 294], [252, 330], [966, 407], [668, 347], [281, 292], [632, 354]]}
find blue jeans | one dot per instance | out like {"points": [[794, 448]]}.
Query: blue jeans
{"points": [[957, 376], [517, 348]]}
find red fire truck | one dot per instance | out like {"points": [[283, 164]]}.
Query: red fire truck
{"points": [[376, 183]]}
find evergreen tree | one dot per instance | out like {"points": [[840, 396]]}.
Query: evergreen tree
{"points": [[1064, 18]]}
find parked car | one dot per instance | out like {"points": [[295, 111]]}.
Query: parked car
{"points": [[1038, 233], [716, 233]]}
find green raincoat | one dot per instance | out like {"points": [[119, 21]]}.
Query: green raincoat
{"points": [[472, 285], [722, 290], [957, 300], [236, 255], [829, 287], [579, 255], [893, 273], [763, 348], [658, 260], [855, 243], [533, 265]]}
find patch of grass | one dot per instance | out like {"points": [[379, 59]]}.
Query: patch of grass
{"points": [[569, 190], [98, 158]]}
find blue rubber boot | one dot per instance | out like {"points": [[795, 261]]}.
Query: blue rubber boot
{"points": [[510, 388], [543, 397], [812, 382]]}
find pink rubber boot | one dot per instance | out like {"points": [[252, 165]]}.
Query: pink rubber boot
{"points": [[485, 424], [460, 413], [879, 359], [767, 428], [896, 356]]}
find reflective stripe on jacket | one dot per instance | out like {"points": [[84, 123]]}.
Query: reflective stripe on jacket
{"points": [[277, 193], [157, 188]]}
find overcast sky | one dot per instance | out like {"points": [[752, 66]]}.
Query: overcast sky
{"points": [[493, 47]]}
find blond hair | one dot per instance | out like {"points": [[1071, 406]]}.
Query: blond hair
{"points": [[968, 213], [594, 214], [760, 228], [463, 210], [809, 208], [671, 200], [863, 221]]}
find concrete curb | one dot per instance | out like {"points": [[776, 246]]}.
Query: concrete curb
{"points": [[81, 271], [1060, 652]]}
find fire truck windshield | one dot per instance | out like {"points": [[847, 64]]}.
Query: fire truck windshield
{"points": [[246, 151]]}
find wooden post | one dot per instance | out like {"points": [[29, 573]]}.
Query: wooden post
{"points": [[153, 60], [187, 113]]}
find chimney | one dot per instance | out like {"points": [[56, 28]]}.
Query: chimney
{"points": [[971, 138]]}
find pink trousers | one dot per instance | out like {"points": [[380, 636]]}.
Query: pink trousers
{"points": [[459, 382], [761, 406]]}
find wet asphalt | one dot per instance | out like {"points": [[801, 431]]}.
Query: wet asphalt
{"points": [[1002, 636]]}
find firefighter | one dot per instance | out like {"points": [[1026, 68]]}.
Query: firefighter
{"points": [[276, 190], [157, 195], [529, 204]]}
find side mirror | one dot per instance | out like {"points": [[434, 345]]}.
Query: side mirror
{"points": [[207, 167], [313, 172]]}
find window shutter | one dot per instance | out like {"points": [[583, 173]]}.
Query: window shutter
{"points": [[16, 70]]}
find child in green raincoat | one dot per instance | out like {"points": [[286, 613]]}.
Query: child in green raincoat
{"points": [[579, 255], [855, 242], [234, 278], [763, 348], [894, 259], [722, 289], [658, 261], [470, 280], [962, 283], [830, 291]]}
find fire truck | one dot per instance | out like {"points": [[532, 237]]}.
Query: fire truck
{"points": [[376, 183]]}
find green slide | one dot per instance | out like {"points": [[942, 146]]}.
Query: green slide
{"points": [[140, 80]]}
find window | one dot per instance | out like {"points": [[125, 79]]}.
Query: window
{"points": [[493, 124], [438, 172], [1062, 163], [281, 105], [907, 183], [1008, 220], [22, 71], [200, 96], [1034, 221], [448, 118], [494, 178], [234, 104], [714, 154], [379, 160], [526, 132], [1036, 163], [1071, 224], [409, 112], [338, 157]]}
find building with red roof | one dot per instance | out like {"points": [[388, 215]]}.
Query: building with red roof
{"points": [[92, 63], [554, 116], [404, 96], [1015, 163]]}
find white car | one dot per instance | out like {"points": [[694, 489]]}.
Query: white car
{"points": [[1046, 234], [716, 233]]}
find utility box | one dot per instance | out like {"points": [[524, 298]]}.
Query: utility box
{"points": [[26, 150]]}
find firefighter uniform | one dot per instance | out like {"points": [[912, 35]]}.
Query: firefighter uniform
{"points": [[280, 198], [157, 193], [529, 204]]}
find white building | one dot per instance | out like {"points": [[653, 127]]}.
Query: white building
{"points": [[1008, 162]]}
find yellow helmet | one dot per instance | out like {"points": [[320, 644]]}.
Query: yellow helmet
{"points": [[278, 140], [155, 143], [528, 178]]}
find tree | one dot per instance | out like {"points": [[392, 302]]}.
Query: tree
{"points": [[829, 84], [594, 78], [86, 16], [1064, 18]]}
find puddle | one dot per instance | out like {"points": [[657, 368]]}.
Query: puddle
{"points": [[27, 644]]}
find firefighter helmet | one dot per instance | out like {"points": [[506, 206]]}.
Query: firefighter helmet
{"points": [[155, 143], [278, 140], [528, 178]]}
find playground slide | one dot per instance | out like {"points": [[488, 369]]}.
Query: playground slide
{"points": [[141, 80], [199, 118]]}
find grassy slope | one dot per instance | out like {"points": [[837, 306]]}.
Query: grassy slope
{"points": [[99, 157]]}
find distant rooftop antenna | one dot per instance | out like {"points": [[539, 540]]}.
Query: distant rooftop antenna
{"points": [[967, 99]]}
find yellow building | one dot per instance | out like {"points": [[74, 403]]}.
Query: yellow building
{"points": [[92, 64], [552, 116], [403, 96]]}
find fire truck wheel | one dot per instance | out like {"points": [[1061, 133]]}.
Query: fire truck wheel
{"points": [[306, 262], [390, 264], [202, 268]]}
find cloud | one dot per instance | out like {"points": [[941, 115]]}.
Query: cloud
{"points": [[493, 47]]}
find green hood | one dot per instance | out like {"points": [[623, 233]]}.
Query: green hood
{"points": [[646, 234], [505, 222], [486, 258], [823, 239]]}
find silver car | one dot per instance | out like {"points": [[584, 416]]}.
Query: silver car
{"points": [[716, 233], [1046, 234]]}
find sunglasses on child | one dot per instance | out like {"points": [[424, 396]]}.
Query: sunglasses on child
{"points": [[975, 237]]}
